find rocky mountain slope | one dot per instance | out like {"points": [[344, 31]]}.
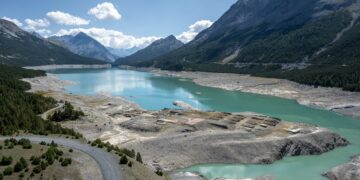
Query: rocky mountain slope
{"points": [[154, 50], [18, 47], [84, 45], [275, 38], [271, 31]]}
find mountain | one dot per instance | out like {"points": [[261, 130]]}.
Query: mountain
{"points": [[155, 49], [123, 52], [309, 41], [84, 45], [268, 31], [36, 35], [20, 48]]}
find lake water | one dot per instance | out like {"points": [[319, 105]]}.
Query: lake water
{"points": [[156, 92]]}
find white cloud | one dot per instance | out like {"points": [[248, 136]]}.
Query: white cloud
{"points": [[33, 24], [194, 30], [111, 38], [104, 11], [15, 21], [37, 25], [65, 18], [43, 31]]}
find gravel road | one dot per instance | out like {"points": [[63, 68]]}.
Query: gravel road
{"points": [[108, 163]]}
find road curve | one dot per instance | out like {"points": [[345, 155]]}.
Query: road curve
{"points": [[108, 162]]}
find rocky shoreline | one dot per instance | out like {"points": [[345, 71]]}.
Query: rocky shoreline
{"points": [[347, 171], [334, 99]]}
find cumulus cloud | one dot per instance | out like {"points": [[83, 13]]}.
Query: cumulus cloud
{"points": [[36, 24], [194, 30], [44, 32], [111, 38], [104, 11], [66, 19], [15, 21]]}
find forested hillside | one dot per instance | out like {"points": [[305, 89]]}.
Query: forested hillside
{"points": [[19, 110]]}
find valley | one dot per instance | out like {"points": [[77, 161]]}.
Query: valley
{"points": [[121, 122], [180, 90]]}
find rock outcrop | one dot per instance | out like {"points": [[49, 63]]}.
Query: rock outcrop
{"points": [[347, 171], [178, 139]]}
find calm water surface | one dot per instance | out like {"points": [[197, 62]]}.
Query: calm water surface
{"points": [[155, 92]]}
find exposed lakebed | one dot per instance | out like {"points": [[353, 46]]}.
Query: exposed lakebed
{"points": [[157, 92]]}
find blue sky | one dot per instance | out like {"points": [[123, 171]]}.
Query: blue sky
{"points": [[116, 23]]}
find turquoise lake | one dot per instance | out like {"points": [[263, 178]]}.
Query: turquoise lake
{"points": [[157, 92]]}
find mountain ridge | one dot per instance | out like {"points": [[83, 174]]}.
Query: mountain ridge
{"points": [[311, 41], [84, 45], [155, 49], [21, 48]]}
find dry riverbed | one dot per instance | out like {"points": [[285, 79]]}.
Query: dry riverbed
{"points": [[172, 139]]}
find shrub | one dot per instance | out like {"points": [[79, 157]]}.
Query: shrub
{"points": [[138, 158], [43, 143], [5, 161], [23, 162], [43, 165], [26, 144], [130, 153], [8, 171], [36, 161], [123, 160], [37, 170], [130, 164], [159, 172], [18, 167], [66, 162], [21, 175]]}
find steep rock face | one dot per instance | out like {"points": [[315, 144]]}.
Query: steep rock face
{"points": [[347, 171], [156, 49], [18, 47], [84, 45]]}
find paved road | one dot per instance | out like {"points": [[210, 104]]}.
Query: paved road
{"points": [[108, 163]]}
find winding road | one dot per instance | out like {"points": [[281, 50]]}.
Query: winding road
{"points": [[108, 162]]}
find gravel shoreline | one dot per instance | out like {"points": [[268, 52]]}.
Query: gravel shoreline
{"points": [[333, 99]]}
